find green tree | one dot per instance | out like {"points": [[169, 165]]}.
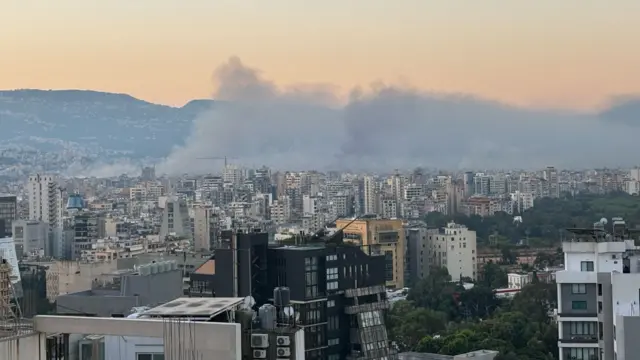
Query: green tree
{"points": [[494, 277], [437, 292], [408, 325]]}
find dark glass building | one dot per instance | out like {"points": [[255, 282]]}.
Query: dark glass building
{"points": [[8, 214], [337, 290]]}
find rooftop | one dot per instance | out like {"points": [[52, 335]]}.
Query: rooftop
{"points": [[198, 307]]}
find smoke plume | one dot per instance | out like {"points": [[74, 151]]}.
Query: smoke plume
{"points": [[384, 127]]}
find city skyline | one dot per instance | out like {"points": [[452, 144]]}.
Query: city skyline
{"points": [[533, 55]]}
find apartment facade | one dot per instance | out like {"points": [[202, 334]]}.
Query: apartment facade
{"points": [[598, 298], [452, 247], [388, 235]]}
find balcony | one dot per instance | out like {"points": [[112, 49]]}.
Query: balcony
{"points": [[577, 315], [580, 339]]}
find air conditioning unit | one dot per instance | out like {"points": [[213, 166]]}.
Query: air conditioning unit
{"points": [[259, 341], [259, 354], [283, 352], [283, 341]]}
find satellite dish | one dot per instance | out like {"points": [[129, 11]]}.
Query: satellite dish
{"points": [[604, 221], [248, 302]]}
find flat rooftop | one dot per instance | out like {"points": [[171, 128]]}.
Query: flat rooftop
{"points": [[194, 307]]}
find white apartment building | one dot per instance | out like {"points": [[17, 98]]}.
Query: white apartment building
{"points": [[310, 204], [45, 204], [452, 247], [280, 210], [518, 281], [413, 191], [370, 195], [45, 199], [147, 191], [522, 200], [599, 297]]}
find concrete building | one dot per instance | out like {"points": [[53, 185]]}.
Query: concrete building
{"points": [[385, 234], [175, 219], [337, 290], [85, 226], [30, 237], [370, 195], [452, 247], [116, 294], [599, 295], [45, 204], [416, 263], [518, 281], [205, 228]]}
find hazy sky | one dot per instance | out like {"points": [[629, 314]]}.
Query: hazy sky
{"points": [[568, 53]]}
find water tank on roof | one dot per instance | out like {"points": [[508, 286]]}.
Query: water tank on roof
{"points": [[281, 296], [167, 266], [154, 268], [144, 270], [174, 265], [267, 314]]}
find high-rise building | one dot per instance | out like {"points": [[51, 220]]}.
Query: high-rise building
{"points": [[551, 176], [452, 247], [205, 228], [469, 186], [387, 235], [370, 195], [175, 219], [337, 291], [8, 213], [599, 295], [45, 204]]}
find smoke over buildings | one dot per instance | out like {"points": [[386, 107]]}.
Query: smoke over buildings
{"points": [[386, 126]]}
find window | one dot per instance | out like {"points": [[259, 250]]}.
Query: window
{"points": [[332, 274], [370, 318], [582, 353], [331, 303], [332, 257], [586, 266], [333, 323], [311, 277], [332, 285], [599, 289], [332, 342], [579, 305], [583, 328], [148, 356], [578, 288]]}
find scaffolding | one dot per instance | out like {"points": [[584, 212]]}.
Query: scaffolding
{"points": [[5, 291], [11, 323]]}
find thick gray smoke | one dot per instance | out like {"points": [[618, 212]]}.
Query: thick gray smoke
{"points": [[386, 127]]}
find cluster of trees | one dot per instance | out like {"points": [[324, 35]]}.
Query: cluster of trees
{"points": [[440, 316], [545, 223]]}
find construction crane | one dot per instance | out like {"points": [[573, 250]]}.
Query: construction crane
{"points": [[216, 158]]}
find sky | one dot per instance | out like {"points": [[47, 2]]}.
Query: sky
{"points": [[573, 54]]}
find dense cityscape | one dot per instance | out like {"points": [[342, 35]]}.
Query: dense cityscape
{"points": [[319, 180], [333, 265]]}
